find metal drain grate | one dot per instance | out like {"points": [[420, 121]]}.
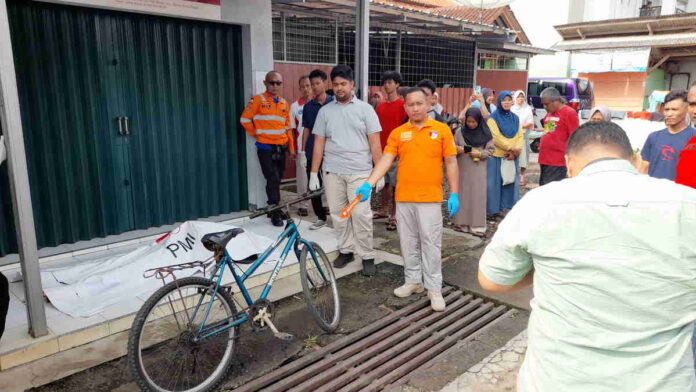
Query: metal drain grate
{"points": [[385, 352]]}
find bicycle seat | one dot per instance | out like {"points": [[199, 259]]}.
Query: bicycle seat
{"points": [[214, 241]]}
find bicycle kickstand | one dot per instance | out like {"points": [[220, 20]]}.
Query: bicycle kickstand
{"points": [[263, 316]]}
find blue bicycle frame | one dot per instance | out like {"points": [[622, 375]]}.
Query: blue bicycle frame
{"points": [[291, 234]]}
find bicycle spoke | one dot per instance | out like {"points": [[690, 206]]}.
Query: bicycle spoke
{"points": [[319, 285], [172, 357]]}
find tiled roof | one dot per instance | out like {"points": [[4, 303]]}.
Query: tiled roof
{"points": [[471, 14], [421, 5]]}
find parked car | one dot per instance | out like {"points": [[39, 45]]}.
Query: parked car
{"points": [[576, 91]]}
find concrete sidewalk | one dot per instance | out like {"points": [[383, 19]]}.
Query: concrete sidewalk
{"points": [[495, 373]]}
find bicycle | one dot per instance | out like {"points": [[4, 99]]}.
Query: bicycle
{"points": [[183, 337]]}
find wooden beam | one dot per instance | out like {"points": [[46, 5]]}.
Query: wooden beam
{"points": [[662, 60]]}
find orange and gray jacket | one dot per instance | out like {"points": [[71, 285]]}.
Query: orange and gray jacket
{"points": [[268, 120]]}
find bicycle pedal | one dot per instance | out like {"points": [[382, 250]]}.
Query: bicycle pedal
{"points": [[284, 336]]}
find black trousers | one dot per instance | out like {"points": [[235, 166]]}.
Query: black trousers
{"points": [[552, 173], [4, 301], [272, 165], [317, 205]]}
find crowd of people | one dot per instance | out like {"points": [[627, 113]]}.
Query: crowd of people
{"points": [[610, 252]]}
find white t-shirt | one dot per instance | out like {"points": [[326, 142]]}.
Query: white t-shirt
{"points": [[296, 121]]}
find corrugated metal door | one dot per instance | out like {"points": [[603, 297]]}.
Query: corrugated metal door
{"points": [[178, 84], [183, 107], [64, 97]]}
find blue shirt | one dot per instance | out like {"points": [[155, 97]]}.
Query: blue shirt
{"points": [[662, 150], [309, 117]]}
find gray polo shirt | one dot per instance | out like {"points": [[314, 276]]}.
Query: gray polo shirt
{"points": [[345, 127]]}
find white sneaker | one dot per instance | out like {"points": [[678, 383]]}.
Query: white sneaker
{"points": [[317, 225], [436, 301], [408, 289]]}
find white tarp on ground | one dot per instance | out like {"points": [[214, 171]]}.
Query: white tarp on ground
{"points": [[86, 288]]}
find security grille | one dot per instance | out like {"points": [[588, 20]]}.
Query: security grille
{"points": [[305, 40], [447, 61]]}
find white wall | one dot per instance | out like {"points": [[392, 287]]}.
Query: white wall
{"points": [[668, 7], [257, 35], [692, 6]]}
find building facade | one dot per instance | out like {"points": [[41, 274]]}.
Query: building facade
{"points": [[130, 113]]}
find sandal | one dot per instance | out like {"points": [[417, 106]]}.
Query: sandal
{"points": [[391, 224], [460, 229], [378, 215]]}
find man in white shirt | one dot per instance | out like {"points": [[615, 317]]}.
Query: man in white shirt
{"points": [[612, 257], [296, 122]]}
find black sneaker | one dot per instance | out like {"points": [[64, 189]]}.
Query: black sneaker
{"points": [[369, 268], [342, 260], [276, 219], [303, 212]]}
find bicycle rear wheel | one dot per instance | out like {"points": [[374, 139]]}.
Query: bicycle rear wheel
{"points": [[165, 350], [320, 287]]}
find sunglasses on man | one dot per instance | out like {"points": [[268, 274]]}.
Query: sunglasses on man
{"points": [[274, 83]]}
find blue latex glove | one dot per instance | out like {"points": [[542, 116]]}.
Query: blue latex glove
{"points": [[453, 204], [364, 191]]}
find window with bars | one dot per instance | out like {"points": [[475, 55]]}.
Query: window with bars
{"points": [[304, 40], [447, 61], [492, 61]]}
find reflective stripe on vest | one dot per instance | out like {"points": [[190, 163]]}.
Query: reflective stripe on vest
{"points": [[269, 117], [244, 120], [271, 131]]}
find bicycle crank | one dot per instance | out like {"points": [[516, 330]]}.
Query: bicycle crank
{"points": [[261, 318]]}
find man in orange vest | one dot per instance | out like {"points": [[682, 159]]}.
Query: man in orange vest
{"points": [[267, 119]]}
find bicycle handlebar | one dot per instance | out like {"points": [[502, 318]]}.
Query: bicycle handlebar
{"points": [[303, 197]]}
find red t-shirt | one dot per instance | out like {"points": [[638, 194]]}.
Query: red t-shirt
{"points": [[391, 115], [559, 126], [686, 165]]}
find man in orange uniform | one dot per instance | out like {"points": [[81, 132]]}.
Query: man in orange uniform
{"points": [[267, 118], [423, 147]]}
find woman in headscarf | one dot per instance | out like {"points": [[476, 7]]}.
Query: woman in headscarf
{"points": [[503, 166], [474, 146], [600, 113], [522, 109]]}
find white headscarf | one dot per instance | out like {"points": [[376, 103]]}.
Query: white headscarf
{"points": [[524, 111]]}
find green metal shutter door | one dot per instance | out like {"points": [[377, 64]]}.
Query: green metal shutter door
{"points": [[183, 114], [78, 69], [63, 114]]}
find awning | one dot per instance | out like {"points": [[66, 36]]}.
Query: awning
{"points": [[385, 15], [513, 47], [631, 41]]}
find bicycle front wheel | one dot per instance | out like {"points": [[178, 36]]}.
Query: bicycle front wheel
{"points": [[320, 287], [166, 351]]}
